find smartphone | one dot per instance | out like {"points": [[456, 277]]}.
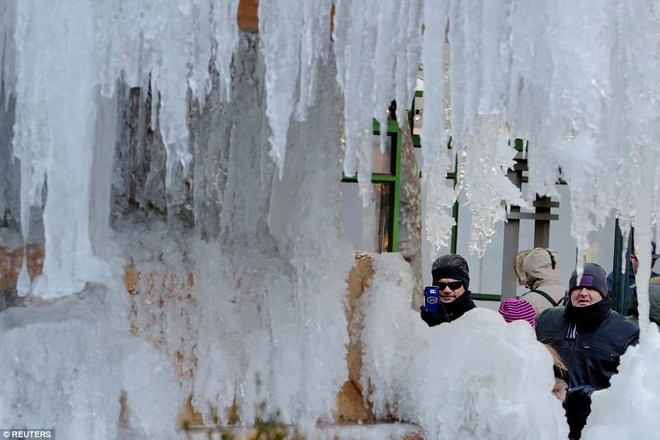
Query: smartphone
{"points": [[431, 298]]}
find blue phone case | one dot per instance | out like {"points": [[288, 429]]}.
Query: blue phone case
{"points": [[431, 298]]}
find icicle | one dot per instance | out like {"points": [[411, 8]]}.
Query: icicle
{"points": [[170, 81], [409, 35], [29, 143], [7, 48], [383, 65], [24, 284], [63, 132], [279, 28], [463, 73], [495, 56], [373, 71], [643, 220], [532, 71], [351, 33], [580, 88], [438, 160], [224, 28], [314, 46], [489, 191], [364, 155]]}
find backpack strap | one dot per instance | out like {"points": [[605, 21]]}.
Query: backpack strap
{"points": [[544, 295], [552, 259]]}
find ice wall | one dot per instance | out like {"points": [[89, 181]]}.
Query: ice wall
{"points": [[72, 366], [249, 296], [578, 81], [637, 385], [280, 348], [58, 74], [563, 79]]}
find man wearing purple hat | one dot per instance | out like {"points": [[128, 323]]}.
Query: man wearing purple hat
{"points": [[589, 337]]}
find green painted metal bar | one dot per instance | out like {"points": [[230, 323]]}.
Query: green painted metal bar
{"points": [[620, 280], [454, 210], [393, 128], [485, 297], [375, 178]]}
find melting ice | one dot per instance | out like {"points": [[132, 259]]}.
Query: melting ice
{"points": [[150, 135]]}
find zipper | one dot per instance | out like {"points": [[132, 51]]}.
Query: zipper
{"points": [[572, 334]]}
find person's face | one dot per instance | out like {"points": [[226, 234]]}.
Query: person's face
{"points": [[447, 294], [635, 262], [583, 297], [559, 390]]}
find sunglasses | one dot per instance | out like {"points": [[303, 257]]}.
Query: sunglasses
{"points": [[453, 285]]}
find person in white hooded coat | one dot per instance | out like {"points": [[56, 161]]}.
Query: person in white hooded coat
{"points": [[538, 270]]}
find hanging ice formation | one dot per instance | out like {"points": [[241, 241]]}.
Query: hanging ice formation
{"points": [[556, 90], [58, 74], [577, 80], [564, 92]]}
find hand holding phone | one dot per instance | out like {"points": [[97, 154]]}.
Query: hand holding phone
{"points": [[431, 298]]}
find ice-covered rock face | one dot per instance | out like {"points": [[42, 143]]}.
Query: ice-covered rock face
{"points": [[261, 321], [579, 82], [70, 367]]}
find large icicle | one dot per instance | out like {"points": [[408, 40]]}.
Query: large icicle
{"points": [[294, 37], [224, 27], [370, 62], [438, 159], [314, 46], [488, 190], [172, 42], [7, 49], [279, 27], [55, 116]]}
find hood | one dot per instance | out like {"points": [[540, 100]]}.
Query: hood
{"points": [[536, 267]]}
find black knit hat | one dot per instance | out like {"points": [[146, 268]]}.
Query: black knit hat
{"points": [[451, 266], [593, 277]]}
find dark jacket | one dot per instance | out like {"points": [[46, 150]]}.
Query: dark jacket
{"points": [[448, 311], [630, 284], [589, 340]]}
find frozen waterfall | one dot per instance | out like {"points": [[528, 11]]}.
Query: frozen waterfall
{"points": [[153, 147]]}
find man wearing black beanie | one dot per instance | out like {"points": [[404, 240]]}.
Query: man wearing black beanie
{"points": [[589, 337], [451, 275]]}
